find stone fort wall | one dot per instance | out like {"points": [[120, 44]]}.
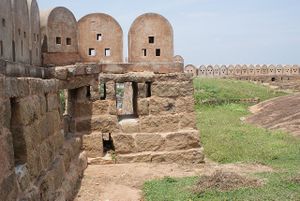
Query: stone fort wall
{"points": [[248, 72]]}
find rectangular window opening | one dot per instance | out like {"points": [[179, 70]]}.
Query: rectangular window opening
{"points": [[1, 48], [127, 99], [92, 52], [151, 39], [22, 48], [19, 31], [24, 34], [144, 52], [69, 41], [99, 37], [107, 52], [3, 22], [102, 91], [157, 52], [58, 40], [19, 143], [148, 89]]}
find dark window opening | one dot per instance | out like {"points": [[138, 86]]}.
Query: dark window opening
{"points": [[19, 31], [92, 52], [1, 48], [22, 48], [19, 143], [69, 41], [14, 51], [108, 144], [102, 90], [99, 37], [151, 39], [107, 52], [24, 34], [3, 22], [157, 52], [34, 37], [37, 37], [148, 89], [58, 40], [273, 79], [37, 52], [88, 92], [144, 52], [127, 99]]}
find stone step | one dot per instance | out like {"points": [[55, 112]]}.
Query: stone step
{"points": [[191, 156], [106, 160]]}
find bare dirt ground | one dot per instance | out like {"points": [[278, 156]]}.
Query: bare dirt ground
{"points": [[124, 182], [280, 113]]}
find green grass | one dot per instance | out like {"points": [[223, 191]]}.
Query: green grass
{"points": [[222, 90], [226, 139]]}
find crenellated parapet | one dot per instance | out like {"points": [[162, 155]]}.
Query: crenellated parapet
{"points": [[243, 71]]}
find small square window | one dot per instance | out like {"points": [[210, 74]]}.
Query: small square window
{"points": [[107, 52], [58, 40], [144, 52], [3, 22], [157, 52], [92, 52], [151, 39], [99, 37], [69, 41]]}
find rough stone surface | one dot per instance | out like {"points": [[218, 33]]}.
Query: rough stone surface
{"points": [[93, 145]]}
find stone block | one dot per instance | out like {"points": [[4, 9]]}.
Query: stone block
{"points": [[104, 124], [193, 156], [8, 187], [163, 123], [161, 106], [188, 120], [34, 164], [46, 154], [6, 154], [172, 89], [53, 102], [130, 126], [185, 104], [55, 123], [110, 90], [100, 107], [112, 107], [16, 87], [143, 107], [5, 113], [26, 110], [93, 145], [124, 144], [149, 142], [182, 140]]}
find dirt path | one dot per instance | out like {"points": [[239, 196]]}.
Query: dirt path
{"points": [[279, 113], [124, 182]]}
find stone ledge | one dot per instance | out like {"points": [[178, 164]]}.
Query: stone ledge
{"points": [[192, 156]]}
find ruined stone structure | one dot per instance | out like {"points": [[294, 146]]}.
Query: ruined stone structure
{"points": [[247, 72], [45, 139]]}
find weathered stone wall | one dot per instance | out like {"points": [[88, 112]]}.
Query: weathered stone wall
{"points": [[34, 33], [143, 49], [102, 33], [6, 30], [59, 35], [38, 160]]}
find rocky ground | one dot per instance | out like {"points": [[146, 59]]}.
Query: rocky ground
{"points": [[124, 182], [279, 113]]}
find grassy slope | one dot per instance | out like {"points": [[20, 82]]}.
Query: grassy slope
{"points": [[227, 140]]}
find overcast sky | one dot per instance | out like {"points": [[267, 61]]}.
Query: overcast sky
{"points": [[212, 31]]}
